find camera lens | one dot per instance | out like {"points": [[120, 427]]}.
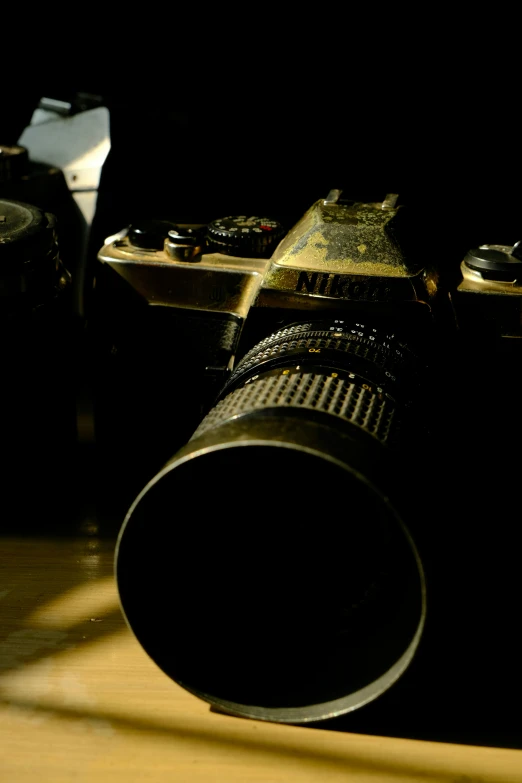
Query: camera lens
{"points": [[291, 586]]}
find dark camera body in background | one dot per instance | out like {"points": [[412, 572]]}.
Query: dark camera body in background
{"points": [[38, 358], [44, 186]]}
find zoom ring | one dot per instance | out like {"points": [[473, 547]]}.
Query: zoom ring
{"points": [[341, 397]]}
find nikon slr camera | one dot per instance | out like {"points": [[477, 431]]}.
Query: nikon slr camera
{"points": [[274, 566]]}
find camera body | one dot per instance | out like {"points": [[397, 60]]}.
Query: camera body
{"points": [[38, 348], [189, 301], [341, 254], [178, 306]]}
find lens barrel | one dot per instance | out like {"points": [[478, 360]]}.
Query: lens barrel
{"points": [[293, 588]]}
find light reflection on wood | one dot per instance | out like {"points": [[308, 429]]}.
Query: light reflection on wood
{"points": [[80, 700]]}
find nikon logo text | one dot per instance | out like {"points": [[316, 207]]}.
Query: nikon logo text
{"points": [[342, 286]]}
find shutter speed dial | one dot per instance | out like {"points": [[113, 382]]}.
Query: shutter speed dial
{"points": [[252, 237]]}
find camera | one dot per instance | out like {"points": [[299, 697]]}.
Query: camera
{"points": [[37, 393], [272, 566], [44, 186]]}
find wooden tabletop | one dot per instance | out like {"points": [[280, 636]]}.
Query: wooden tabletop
{"points": [[81, 701]]}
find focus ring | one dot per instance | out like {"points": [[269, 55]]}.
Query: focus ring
{"points": [[306, 340], [338, 396]]}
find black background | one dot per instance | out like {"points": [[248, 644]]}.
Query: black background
{"points": [[201, 143]]}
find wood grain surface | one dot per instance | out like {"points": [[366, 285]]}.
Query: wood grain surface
{"points": [[81, 701]]}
